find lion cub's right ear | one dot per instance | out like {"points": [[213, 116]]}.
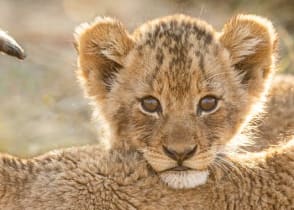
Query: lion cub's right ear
{"points": [[102, 47]]}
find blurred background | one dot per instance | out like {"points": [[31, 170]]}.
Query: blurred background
{"points": [[41, 104]]}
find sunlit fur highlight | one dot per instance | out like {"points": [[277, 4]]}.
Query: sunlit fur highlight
{"points": [[128, 174], [178, 60]]}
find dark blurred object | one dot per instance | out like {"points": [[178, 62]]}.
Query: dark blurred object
{"points": [[9, 46]]}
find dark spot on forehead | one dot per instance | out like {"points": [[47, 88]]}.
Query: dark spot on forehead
{"points": [[159, 60], [177, 43], [159, 56], [177, 31], [201, 62]]}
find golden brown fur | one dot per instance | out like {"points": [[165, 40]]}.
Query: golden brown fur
{"points": [[179, 60], [9, 46], [88, 178], [277, 121]]}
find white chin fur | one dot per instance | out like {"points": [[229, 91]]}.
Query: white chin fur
{"points": [[184, 179]]}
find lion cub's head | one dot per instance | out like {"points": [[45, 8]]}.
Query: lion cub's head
{"points": [[175, 89]]}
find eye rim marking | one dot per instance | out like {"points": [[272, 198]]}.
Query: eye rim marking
{"points": [[211, 110], [150, 111]]}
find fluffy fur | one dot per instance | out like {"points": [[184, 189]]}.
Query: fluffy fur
{"points": [[276, 123], [179, 60], [88, 178], [9, 46]]}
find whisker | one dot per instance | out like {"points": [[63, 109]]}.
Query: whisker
{"points": [[231, 167]]}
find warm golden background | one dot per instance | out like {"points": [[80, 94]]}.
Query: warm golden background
{"points": [[41, 104]]}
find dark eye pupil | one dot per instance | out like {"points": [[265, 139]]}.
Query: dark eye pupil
{"points": [[208, 103], [150, 104]]}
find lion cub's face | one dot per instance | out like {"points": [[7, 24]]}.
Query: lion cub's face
{"points": [[176, 90]]}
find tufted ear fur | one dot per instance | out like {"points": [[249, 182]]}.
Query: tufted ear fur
{"points": [[102, 47], [252, 44]]}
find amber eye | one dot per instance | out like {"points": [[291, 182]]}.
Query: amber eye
{"points": [[150, 104], [208, 103]]}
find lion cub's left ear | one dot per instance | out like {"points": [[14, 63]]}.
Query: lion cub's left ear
{"points": [[252, 44], [102, 47]]}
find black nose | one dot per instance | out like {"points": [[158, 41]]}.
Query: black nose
{"points": [[179, 156]]}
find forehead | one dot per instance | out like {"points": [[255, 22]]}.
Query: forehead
{"points": [[177, 53]]}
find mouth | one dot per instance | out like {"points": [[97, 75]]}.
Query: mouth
{"points": [[178, 168]]}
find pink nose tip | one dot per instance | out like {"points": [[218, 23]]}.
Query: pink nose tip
{"points": [[179, 156]]}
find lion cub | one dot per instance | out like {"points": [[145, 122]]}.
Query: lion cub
{"points": [[170, 99], [176, 90]]}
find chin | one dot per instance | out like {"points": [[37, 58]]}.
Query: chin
{"points": [[184, 179]]}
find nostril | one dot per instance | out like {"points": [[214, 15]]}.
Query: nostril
{"points": [[189, 153], [170, 153]]}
